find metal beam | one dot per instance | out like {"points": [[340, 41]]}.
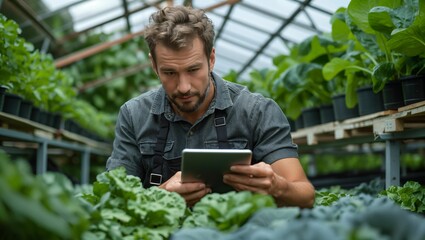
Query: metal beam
{"points": [[239, 44], [77, 56], [220, 4], [126, 15], [49, 14], [315, 8], [284, 25], [226, 18], [279, 17], [76, 34], [121, 73], [64, 61], [32, 16]]}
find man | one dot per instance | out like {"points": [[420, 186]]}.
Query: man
{"points": [[195, 108]]}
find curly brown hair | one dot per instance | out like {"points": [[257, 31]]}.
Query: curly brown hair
{"points": [[177, 26]]}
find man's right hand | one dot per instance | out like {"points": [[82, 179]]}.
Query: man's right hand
{"points": [[192, 192]]}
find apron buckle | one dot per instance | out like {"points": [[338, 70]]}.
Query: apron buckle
{"points": [[155, 179]]}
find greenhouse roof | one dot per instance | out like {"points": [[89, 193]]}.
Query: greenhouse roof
{"points": [[249, 33]]}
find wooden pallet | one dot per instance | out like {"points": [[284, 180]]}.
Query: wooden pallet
{"points": [[10, 121], [407, 117]]}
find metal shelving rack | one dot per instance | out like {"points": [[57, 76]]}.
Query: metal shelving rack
{"points": [[16, 129], [390, 127]]}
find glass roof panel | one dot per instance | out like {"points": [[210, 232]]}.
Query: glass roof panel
{"points": [[247, 31], [282, 8], [243, 14]]}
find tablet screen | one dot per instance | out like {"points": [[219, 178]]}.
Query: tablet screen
{"points": [[209, 165]]}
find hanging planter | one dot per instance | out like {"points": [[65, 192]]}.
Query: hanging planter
{"points": [[311, 116], [369, 102], [341, 111], [413, 89], [326, 113], [392, 95]]}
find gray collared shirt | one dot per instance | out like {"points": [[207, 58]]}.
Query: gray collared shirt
{"points": [[253, 122]]}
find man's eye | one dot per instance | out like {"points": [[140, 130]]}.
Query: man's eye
{"points": [[193, 69], [168, 73]]}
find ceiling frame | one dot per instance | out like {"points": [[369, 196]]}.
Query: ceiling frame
{"points": [[277, 33]]}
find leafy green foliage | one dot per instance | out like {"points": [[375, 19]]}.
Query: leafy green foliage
{"points": [[110, 96], [351, 217], [37, 207], [410, 196], [120, 207], [226, 212], [33, 76]]}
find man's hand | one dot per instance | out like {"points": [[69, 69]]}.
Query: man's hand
{"points": [[259, 178], [191, 192], [285, 180]]}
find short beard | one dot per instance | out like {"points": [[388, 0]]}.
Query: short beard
{"points": [[188, 109]]}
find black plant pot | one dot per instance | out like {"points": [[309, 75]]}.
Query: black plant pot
{"points": [[311, 116], [12, 103], [43, 117], [392, 95], [326, 113], [341, 111], [299, 123], [57, 121], [35, 114], [413, 89], [2, 92], [369, 102], [25, 109], [292, 125]]}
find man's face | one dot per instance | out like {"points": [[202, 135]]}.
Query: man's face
{"points": [[184, 75]]}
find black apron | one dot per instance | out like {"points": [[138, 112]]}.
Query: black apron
{"points": [[164, 169]]}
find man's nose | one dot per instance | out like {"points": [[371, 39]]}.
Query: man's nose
{"points": [[184, 84]]}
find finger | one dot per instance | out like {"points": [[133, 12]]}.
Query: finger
{"points": [[194, 197]]}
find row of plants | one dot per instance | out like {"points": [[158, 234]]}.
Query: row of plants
{"points": [[32, 76], [351, 163], [110, 95], [372, 45], [116, 206]]}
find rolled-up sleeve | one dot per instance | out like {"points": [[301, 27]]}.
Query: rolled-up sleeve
{"points": [[272, 132], [125, 148]]}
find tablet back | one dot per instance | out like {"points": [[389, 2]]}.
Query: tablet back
{"points": [[209, 165]]}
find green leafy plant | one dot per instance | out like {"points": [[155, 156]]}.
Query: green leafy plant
{"points": [[393, 32], [37, 207], [302, 79], [410, 196], [227, 212], [121, 207]]}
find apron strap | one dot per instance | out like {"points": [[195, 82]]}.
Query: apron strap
{"points": [[156, 175], [220, 128]]}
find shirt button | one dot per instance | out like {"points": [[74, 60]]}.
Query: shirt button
{"points": [[191, 133]]}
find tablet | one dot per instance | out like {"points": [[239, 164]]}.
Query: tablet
{"points": [[209, 165]]}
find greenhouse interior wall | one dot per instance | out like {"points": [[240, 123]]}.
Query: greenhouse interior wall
{"points": [[349, 77]]}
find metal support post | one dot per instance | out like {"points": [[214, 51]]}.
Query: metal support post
{"points": [[41, 157], [392, 163], [85, 166], [312, 169]]}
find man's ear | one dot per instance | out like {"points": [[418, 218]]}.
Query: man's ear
{"points": [[212, 59], [153, 64]]}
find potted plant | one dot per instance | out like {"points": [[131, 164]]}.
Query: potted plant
{"points": [[308, 95], [396, 28], [356, 66]]}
